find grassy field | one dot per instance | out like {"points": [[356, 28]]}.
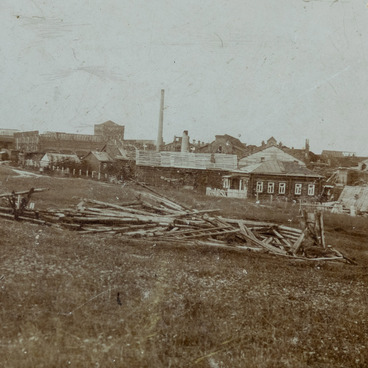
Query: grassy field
{"points": [[91, 301]]}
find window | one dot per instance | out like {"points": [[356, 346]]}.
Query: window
{"points": [[282, 188], [259, 186], [298, 189], [311, 189], [271, 188]]}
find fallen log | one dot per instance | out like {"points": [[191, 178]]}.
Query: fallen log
{"points": [[298, 243], [179, 206], [35, 190], [255, 241], [23, 218]]}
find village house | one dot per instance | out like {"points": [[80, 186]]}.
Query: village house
{"points": [[31, 160], [270, 180], [99, 162], [276, 150], [185, 169], [51, 160], [225, 144]]}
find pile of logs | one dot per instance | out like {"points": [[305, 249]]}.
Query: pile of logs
{"points": [[153, 216]]}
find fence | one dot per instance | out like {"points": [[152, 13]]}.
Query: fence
{"points": [[88, 174], [187, 160], [229, 193]]}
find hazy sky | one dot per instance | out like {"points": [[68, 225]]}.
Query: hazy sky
{"points": [[292, 69]]}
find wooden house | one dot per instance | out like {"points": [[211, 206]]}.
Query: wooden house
{"points": [[271, 179], [97, 161], [184, 169], [57, 159], [225, 144]]}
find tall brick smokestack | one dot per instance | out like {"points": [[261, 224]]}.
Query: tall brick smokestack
{"points": [[160, 123]]}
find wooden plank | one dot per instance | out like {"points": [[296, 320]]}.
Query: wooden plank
{"points": [[165, 210], [180, 206], [298, 243], [200, 212], [282, 239], [125, 209], [208, 234], [22, 218], [269, 247], [249, 223], [267, 240], [322, 228], [192, 231], [349, 260], [290, 229]]}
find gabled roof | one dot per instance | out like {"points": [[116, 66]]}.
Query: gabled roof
{"points": [[233, 141], [115, 150], [269, 154], [235, 144], [100, 156], [276, 167]]}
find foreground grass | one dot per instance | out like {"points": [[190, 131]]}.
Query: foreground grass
{"points": [[177, 306], [180, 306]]}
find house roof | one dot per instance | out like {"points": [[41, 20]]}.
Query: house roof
{"points": [[269, 154], [277, 167], [234, 141], [101, 156], [115, 151]]}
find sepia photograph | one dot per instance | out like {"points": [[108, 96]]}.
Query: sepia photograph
{"points": [[184, 183]]}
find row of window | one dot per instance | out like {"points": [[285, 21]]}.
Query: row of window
{"points": [[282, 188]]}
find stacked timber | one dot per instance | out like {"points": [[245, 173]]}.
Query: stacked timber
{"points": [[155, 217]]}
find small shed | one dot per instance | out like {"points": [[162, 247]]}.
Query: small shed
{"points": [[98, 161]]}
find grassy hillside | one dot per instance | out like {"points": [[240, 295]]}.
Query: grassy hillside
{"points": [[95, 301]]}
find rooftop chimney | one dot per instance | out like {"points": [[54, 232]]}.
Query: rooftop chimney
{"points": [[160, 123], [185, 142]]}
